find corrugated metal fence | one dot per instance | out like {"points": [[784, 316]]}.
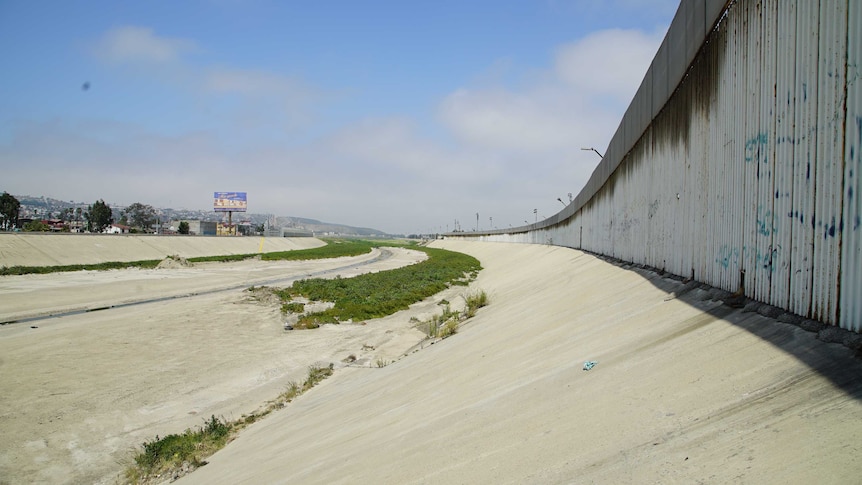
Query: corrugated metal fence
{"points": [[738, 163]]}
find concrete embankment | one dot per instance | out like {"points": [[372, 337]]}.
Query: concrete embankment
{"points": [[21, 249]]}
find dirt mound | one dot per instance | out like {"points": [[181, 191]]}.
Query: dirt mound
{"points": [[174, 262]]}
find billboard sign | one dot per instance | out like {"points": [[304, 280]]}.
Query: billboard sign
{"points": [[230, 202]]}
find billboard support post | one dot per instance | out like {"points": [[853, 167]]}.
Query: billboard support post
{"points": [[230, 202]]}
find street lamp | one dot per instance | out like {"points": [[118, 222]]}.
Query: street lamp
{"points": [[561, 201], [593, 149]]}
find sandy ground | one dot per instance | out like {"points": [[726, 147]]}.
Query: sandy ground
{"points": [[36, 249], [79, 393], [686, 390]]}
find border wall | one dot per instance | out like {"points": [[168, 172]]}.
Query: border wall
{"points": [[737, 162]]}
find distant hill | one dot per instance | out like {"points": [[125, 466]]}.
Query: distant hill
{"points": [[318, 227], [46, 207]]}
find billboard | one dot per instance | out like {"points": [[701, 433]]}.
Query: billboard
{"points": [[230, 202]]}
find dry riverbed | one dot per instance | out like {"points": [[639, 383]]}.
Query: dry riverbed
{"points": [[80, 393]]}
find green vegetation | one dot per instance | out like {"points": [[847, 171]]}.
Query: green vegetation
{"points": [[474, 302], [192, 446], [293, 307], [446, 324], [19, 270], [36, 226], [335, 248], [99, 216], [139, 216], [10, 207], [163, 458], [375, 295]]}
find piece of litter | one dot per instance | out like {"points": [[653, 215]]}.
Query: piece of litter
{"points": [[590, 364]]}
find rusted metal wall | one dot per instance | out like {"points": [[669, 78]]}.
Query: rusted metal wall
{"points": [[737, 163]]}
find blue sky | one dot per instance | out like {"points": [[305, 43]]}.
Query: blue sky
{"points": [[402, 116]]}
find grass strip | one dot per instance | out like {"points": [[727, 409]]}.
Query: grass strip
{"points": [[375, 295], [21, 270], [335, 248]]}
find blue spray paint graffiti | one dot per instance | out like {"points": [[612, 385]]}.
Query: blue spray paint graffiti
{"points": [[728, 256], [765, 222], [753, 147]]}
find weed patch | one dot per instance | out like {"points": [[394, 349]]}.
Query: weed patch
{"points": [[446, 324], [173, 455]]}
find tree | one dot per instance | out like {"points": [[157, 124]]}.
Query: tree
{"points": [[140, 215], [9, 208], [36, 226], [184, 227], [98, 216]]}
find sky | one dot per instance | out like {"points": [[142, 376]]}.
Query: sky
{"points": [[403, 116]]}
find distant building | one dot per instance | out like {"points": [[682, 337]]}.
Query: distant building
{"points": [[294, 232], [116, 229], [196, 227]]}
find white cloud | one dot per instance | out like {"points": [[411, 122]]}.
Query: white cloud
{"points": [[576, 102], [139, 44], [249, 82], [538, 121], [607, 63]]}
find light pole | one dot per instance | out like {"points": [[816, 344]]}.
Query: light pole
{"points": [[561, 201], [593, 149], [536, 213]]}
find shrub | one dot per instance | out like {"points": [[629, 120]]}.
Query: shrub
{"points": [[450, 328], [190, 446], [474, 302], [293, 307]]}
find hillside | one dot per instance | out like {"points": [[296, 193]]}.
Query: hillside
{"points": [[47, 207]]}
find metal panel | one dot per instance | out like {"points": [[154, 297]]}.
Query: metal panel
{"points": [[831, 71], [698, 27], [765, 222], [751, 142], [804, 151], [851, 247], [785, 100], [677, 60], [713, 11], [659, 78]]}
